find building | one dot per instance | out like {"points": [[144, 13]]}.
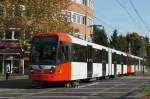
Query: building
{"points": [[11, 53], [81, 18]]}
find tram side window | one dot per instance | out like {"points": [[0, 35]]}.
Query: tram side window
{"points": [[100, 55], [94, 55], [104, 55], [63, 52], [121, 59], [79, 53], [137, 62], [130, 62], [60, 58], [118, 59], [134, 61], [114, 58], [124, 60], [97, 57]]}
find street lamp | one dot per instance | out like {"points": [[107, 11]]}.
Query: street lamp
{"points": [[13, 32]]}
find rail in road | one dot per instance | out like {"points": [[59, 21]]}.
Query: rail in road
{"points": [[103, 89]]}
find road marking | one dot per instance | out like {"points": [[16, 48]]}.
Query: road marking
{"points": [[26, 95], [87, 85], [7, 97], [7, 90], [34, 97], [52, 93], [22, 93]]}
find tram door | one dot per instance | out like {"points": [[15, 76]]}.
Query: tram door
{"points": [[104, 58], [121, 68], [114, 59], [115, 68], [103, 69], [89, 62], [122, 59]]}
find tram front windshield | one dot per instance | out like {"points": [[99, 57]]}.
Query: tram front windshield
{"points": [[44, 50]]}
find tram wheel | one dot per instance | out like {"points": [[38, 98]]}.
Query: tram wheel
{"points": [[75, 84], [68, 85]]}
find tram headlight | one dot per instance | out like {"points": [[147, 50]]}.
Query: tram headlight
{"points": [[52, 70]]}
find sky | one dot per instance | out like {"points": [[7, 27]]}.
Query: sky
{"points": [[124, 18]]}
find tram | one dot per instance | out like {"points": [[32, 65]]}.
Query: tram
{"points": [[60, 57]]}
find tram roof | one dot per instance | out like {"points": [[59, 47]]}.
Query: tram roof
{"points": [[118, 52], [85, 43], [61, 36]]}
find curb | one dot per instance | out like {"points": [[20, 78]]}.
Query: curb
{"points": [[14, 77]]}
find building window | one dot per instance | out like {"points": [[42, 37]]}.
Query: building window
{"points": [[74, 18], [78, 19], [89, 21], [84, 20], [69, 16], [91, 4], [16, 35], [84, 2], [77, 1]]}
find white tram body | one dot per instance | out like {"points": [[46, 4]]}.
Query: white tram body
{"points": [[78, 59]]}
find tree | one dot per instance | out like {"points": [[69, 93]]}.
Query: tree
{"points": [[146, 53], [118, 42], [99, 36], [122, 43], [33, 16], [136, 43], [114, 40]]}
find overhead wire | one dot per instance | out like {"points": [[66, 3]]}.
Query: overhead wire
{"points": [[130, 16], [101, 20], [140, 17], [108, 25]]}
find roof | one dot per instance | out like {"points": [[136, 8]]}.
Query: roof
{"points": [[61, 36]]}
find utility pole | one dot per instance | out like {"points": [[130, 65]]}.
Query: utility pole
{"points": [[143, 53], [129, 47], [86, 19]]}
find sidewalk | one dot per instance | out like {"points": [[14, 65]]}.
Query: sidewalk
{"points": [[14, 77], [138, 75]]}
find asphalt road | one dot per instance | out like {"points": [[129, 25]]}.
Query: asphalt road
{"points": [[117, 88]]}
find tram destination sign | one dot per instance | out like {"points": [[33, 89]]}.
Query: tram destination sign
{"points": [[45, 39]]}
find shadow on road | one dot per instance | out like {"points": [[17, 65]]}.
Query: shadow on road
{"points": [[16, 84], [25, 84]]}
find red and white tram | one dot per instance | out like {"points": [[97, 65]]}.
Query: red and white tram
{"points": [[60, 57]]}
